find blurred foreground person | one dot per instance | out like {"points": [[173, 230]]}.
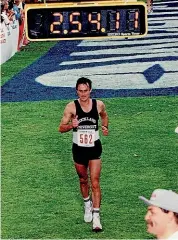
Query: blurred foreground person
{"points": [[162, 214]]}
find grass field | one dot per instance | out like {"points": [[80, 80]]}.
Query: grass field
{"points": [[40, 191]]}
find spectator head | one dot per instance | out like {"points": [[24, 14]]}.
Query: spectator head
{"points": [[162, 214], [5, 5], [17, 2]]}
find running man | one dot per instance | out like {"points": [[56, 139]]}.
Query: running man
{"points": [[82, 117]]}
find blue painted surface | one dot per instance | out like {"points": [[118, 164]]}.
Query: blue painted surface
{"points": [[118, 68]]}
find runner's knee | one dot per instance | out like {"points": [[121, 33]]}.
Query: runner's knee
{"points": [[83, 181], [95, 185]]}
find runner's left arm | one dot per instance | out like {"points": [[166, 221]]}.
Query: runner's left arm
{"points": [[104, 118]]}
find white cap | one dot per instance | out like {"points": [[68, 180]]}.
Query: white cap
{"points": [[176, 130], [166, 199]]}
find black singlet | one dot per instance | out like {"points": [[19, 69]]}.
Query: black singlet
{"points": [[87, 121]]}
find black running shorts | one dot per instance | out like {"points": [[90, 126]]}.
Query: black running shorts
{"points": [[82, 155]]}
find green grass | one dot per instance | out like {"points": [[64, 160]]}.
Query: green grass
{"points": [[23, 58], [40, 191]]}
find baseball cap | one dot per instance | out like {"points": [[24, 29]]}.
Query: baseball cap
{"points": [[166, 199]]}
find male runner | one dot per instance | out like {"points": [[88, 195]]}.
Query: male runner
{"points": [[82, 117]]}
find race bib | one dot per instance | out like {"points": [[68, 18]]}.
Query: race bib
{"points": [[85, 138]]}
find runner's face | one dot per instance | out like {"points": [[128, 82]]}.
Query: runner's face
{"points": [[83, 92]]}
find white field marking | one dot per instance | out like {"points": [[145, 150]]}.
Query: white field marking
{"points": [[127, 57], [161, 7], [158, 3], [165, 19], [160, 20], [156, 49], [164, 8], [170, 29], [117, 68], [169, 13], [86, 43], [113, 76], [147, 40], [127, 44], [167, 25], [112, 81]]}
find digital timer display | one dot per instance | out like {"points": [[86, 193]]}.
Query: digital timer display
{"points": [[49, 22]]}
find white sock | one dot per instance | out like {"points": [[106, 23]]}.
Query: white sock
{"points": [[96, 212], [87, 201]]}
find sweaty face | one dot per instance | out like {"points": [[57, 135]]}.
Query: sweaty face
{"points": [[156, 220], [83, 92]]}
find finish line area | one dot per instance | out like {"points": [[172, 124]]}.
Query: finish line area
{"points": [[117, 68]]}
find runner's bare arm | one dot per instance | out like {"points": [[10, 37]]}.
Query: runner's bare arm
{"points": [[66, 124], [104, 117]]}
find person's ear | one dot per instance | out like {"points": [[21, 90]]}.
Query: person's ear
{"points": [[171, 216]]}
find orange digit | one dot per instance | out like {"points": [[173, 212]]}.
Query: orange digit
{"points": [[136, 20], [52, 26], [117, 20], [79, 25], [97, 21]]}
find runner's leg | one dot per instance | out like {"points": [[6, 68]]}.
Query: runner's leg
{"points": [[84, 187], [95, 169], [83, 178]]}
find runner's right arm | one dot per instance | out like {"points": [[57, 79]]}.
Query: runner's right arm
{"points": [[66, 123]]}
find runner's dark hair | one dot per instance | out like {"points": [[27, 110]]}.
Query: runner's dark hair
{"points": [[84, 80]]}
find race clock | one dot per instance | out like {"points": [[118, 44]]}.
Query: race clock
{"points": [[85, 20]]}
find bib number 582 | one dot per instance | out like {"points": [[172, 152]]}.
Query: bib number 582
{"points": [[86, 138]]}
